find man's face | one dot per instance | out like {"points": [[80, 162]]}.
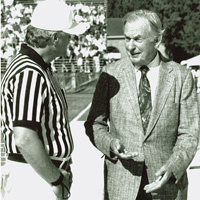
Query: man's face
{"points": [[62, 44], [139, 43]]}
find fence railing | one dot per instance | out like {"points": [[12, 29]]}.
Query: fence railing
{"points": [[69, 74]]}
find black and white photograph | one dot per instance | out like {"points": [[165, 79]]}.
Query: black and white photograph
{"points": [[100, 100]]}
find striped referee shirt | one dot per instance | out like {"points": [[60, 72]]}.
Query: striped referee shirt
{"points": [[31, 98]]}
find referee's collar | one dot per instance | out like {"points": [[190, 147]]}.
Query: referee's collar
{"points": [[26, 50]]}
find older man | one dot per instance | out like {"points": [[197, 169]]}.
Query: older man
{"points": [[144, 118], [34, 109]]}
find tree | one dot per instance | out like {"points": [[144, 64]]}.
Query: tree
{"points": [[119, 8], [181, 21]]}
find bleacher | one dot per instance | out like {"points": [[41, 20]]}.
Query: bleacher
{"points": [[93, 44]]}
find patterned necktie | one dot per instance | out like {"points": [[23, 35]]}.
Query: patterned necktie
{"points": [[145, 97]]}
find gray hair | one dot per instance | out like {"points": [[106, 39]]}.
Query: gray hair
{"points": [[39, 38], [150, 16]]}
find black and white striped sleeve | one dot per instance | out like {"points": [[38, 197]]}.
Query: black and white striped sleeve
{"points": [[28, 98]]}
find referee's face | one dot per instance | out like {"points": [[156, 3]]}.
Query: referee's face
{"points": [[63, 40]]}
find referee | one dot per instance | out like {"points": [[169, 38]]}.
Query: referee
{"points": [[34, 110]]}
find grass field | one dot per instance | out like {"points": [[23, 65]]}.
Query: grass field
{"points": [[76, 103], [79, 100]]}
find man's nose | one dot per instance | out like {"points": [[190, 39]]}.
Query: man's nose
{"points": [[131, 45]]}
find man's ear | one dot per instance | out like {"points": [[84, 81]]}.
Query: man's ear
{"points": [[55, 38], [158, 41]]}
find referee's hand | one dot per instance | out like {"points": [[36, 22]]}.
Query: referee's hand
{"points": [[62, 191]]}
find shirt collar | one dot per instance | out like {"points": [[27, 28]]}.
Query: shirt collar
{"points": [[26, 50], [155, 62]]}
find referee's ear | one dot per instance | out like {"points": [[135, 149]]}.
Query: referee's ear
{"points": [[55, 38]]}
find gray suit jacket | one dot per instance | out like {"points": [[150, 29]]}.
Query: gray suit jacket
{"points": [[172, 133]]}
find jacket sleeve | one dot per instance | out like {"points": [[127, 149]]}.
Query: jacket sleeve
{"points": [[97, 128], [188, 129]]}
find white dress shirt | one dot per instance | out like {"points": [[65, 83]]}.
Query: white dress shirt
{"points": [[152, 76]]}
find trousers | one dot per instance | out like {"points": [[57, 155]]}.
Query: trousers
{"points": [[20, 181], [142, 195]]}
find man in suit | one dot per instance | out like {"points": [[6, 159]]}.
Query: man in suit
{"points": [[144, 118]]}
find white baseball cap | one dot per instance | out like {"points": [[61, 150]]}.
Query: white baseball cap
{"points": [[56, 15]]}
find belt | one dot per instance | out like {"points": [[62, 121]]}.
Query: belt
{"points": [[19, 158]]}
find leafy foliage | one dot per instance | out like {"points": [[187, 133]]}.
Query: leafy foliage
{"points": [[119, 8], [181, 21]]}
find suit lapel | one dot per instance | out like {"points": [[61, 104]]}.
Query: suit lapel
{"points": [[163, 88], [129, 78]]}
